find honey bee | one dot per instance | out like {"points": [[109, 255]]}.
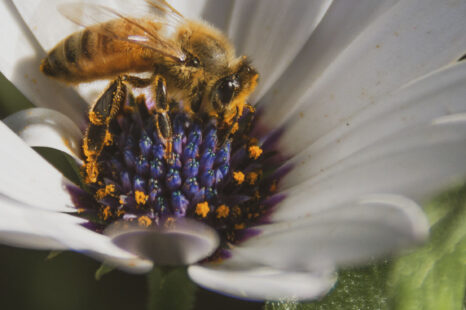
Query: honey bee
{"points": [[189, 62]]}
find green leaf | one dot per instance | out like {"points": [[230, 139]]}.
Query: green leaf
{"points": [[103, 270], [11, 99], [434, 277], [430, 277], [62, 162], [358, 289], [170, 288], [282, 305]]}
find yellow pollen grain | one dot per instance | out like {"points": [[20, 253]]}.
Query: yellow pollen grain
{"points": [[80, 210], [255, 151], [120, 212], [88, 153], [106, 213], [144, 221], [252, 177], [100, 193], [94, 118], [105, 191], [92, 172], [234, 128], [239, 226], [108, 138], [140, 197], [202, 209], [110, 189], [239, 177], [222, 211]]}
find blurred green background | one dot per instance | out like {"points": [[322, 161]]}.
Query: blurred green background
{"points": [[432, 277]]}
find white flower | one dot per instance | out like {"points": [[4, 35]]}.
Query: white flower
{"points": [[369, 94]]}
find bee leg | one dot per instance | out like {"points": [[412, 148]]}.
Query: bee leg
{"points": [[97, 134], [162, 119], [160, 108], [230, 130], [249, 117], [233, 128], [137, 81]]}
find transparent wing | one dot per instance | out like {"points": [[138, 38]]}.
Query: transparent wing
{"points": [[150, 23]]}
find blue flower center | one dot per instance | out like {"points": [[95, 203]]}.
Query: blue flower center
{"points": [[229, 185]]}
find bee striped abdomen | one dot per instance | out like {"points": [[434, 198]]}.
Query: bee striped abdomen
{"points": [[64, 61], [89, 55], [85, 37]]}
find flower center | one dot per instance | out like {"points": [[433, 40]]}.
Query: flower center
{"points": [[228, 185]]}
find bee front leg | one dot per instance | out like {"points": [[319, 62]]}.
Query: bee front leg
{"points": [[233, 128], [97, 134], [162, 119], [160, 108], [137, 81]]}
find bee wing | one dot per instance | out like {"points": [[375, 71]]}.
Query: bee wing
{"points": [[150, 23]]}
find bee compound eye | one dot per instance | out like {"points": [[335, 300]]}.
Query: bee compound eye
{"points": [[226, 89]]}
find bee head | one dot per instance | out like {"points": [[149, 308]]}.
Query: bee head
{"points": [[229, 93], [211, 57]]}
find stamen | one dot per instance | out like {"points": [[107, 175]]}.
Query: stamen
{"points": [[239, 177], [105, 191], [144, 221], [136, 177], [202, 209], [179, 204], [252, 177], [255, 151], [222, 211], [140, 197]]}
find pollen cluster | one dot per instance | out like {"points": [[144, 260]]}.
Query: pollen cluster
{"points": [[227, 184]]}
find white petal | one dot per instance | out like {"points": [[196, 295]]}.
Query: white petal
{"points": [[47, 24], [192, 9], [439, 94], [27, 227], [19, 226], [20, 64], [47, 128], [101, 247], [273, 32], [416, 163], [77, 238], [28, 178], [262, 283], [410, 40], [217, 13], [344, 21], [184, 242], [355, 233]]}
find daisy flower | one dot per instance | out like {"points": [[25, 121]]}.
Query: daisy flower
{"points": [[360, 118]]}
